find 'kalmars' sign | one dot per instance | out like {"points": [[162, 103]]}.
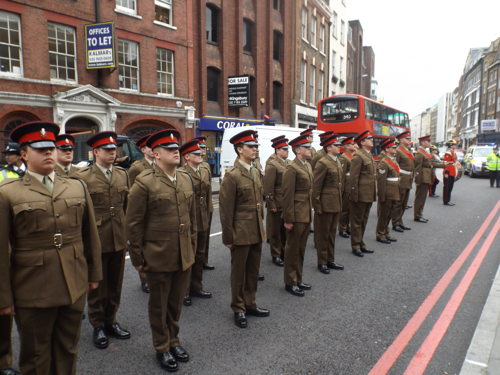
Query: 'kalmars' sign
{"points": [[489, 125], [100, 45], [238, 89]]}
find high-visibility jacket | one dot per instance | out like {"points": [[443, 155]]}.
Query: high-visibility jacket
{"points": [[493, 162], [5, 174]]}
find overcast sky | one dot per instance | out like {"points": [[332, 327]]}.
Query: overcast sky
{"points": [[421, 46]]}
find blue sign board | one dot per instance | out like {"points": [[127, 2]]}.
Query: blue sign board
{"points": [[99, 42], [218, 123]]}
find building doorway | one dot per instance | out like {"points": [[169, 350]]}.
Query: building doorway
{"points": [[81, 124]]}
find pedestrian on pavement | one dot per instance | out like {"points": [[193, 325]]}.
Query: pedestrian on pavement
{"points": [[65, 144], [435, 181], [449, 171], [50, 255], [241, 216], [328, 181], [297, 213], [13, 158], [345, 160], [406, 162], [203, 146], [388, 190], [273, 193], [146, 163], [493, 161], [202, 187], [161, 228], [108, 186], [363, 192]]}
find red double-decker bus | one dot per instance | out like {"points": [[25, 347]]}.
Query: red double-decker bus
{"points": [[352, 114]]}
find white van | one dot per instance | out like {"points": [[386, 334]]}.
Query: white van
{"points": [[266, 133]]}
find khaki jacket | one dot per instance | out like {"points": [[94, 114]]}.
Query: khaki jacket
{"points": [[387, 188], [297, 190], [406, 162], [345, 162], [73, 171], [161, 222], [327, 185], [54, 241], [205, 165], [273, 180], [110, 201], [136, 168], [241, 207], [318, 155], [423, 167], [202, 188], [363, 177]]}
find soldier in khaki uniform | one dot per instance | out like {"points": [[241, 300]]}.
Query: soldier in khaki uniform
{"points": [[345, 161], [108, 187], [241, 212], [203, 146], [406, 162], [363, 191], [146, 163], [202, 187], [387, 189], [273, 192], [309, 134], [49, 255], [319, 154], [297, 213], [161, 227], [328, 180], [65, 144], [423, 177]]}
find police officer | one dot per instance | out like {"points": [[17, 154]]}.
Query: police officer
{"points": [[363, 191], [297, 189], [202, 188], [387, 189], [161, 227], [345, 160], [49, 254], [273, 192], [328, 180], [108, 186], [493, 161], [449, 171], [241, 211], [13, 158], [406, 162], [65, 144], [146, 163], [203, 146]]}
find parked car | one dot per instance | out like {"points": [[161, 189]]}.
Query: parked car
{"points": [[460, 155], [475, 160]]}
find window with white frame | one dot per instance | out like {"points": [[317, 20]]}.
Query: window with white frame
{"points": [[314, 25], [127, 6], [322, 38], [165, 71], [10, 44], [303, 78], [334, 61], [321, 83], [341, 67], [312, 85], [342, 32], [334, 24], [304, 23], [128, 63], [62, 52], [163, 12]]}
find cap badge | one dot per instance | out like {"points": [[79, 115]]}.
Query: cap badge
{"points": [[111, 139], [43, 133], [251, 135], [67, 140], [171, 136]]}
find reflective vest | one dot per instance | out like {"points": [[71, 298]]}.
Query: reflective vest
{"points": [[493, 162], [5, 174]]}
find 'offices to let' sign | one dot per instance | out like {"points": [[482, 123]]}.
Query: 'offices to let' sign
{"points": [[100, 45]]}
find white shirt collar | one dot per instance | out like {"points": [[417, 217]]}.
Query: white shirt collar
{"points": [[64, 168], [40, 177], [103, 169], [246, 165]]}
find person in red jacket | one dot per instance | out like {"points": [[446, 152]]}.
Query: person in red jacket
{"points": [[449, 172]]}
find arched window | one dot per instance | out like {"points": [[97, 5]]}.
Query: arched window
{"points": [[212, 23], [213, 78], [277, 95]]}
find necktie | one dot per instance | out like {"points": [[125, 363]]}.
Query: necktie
{"points": [[198, 172], [108, 174], [66, 170], [174, 181], [48, 183]]}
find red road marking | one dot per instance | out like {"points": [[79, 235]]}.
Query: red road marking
{"points": [[426, 351], [393, 352]]}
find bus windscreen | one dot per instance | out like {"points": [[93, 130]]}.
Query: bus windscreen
{"points": [[345, 109]]}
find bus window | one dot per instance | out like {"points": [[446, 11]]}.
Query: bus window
{"points": [[369, 110], [340, 110], [390, 116]]}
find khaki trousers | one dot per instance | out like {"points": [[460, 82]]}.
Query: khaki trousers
{"points": [[399, 207], [344, 225], [384, 218], [5, 341], [199, 260], [325, 226], [359, 212], [419, 202], [296, 241], [276, 233], [104, 301], [49, 338], [245, 264], [167, 291]]}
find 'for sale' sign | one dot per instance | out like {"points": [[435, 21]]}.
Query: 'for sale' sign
{"points": [[100, 45]]}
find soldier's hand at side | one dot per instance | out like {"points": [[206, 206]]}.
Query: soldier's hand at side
{"points": [[93, 286], [319, 212], [229, 246], [140, 268], [274, 210], [288, 226], [7, 311]]}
